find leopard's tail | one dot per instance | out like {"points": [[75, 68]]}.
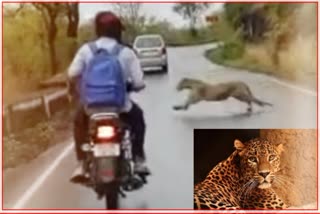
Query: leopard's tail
{"points": [[260, 102]]}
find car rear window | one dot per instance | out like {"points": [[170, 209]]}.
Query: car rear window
{"points": [[148, 42]]}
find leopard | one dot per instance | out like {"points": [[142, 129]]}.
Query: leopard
{"points": [[203, 91], [245, 180]]}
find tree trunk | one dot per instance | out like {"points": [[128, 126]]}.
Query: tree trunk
{"points": [[53, 58], [193, 29], [72, 30], [51, 43], [50, 12], [73, 20]]}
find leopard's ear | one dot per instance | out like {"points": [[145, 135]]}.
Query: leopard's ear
{"points": [[280, 148], [239, 145]]}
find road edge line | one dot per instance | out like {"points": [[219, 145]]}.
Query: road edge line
{"points": [[34, 187], [295, 87]]}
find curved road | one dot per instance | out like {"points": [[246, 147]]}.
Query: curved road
{"points": [[43, 183]]}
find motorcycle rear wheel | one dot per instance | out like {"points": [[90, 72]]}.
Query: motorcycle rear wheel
{"points": [[112, 198]]}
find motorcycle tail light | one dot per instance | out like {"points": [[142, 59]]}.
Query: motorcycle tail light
{"points": [[106, 132]]}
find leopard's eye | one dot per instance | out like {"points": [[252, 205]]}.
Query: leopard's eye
{"points": [[253, 159], [272, 157]]}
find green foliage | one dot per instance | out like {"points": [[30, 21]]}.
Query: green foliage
{"points": [[136, 23], [257, 22], [232, 50], [86, 33], [134, 28], [228, 52], [271, 17], [178, 37], [158, 26], [280, 10], [223, 30], [234, 11], [191, 12], [132, 17], [286, 49], [172, 35]]}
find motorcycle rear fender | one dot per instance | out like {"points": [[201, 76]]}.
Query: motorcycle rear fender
{"points": [[107, 169]]}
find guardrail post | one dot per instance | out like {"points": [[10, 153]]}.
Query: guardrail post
{"points": [[7, 117], [45, 103]]}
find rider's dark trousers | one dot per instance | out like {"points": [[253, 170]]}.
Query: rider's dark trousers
{"points": [[134, 118]]}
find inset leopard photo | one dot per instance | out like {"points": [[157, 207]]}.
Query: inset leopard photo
{"points": [[255, 169]]}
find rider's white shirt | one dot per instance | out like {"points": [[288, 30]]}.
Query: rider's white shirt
{"points": [[127, 58]]}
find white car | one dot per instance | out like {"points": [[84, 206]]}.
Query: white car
{"points": [[152, 52]]}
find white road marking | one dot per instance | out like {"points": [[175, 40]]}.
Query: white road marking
{"points": [[292, 86], [34, 187]]}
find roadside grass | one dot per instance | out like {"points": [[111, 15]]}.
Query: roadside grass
{"points": [[183, 37], [22, 147], [292, 58], [295, 64], [215, 55]]}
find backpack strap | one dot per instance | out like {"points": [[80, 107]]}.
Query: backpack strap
{"points": [[94, 48], [116, 50]]}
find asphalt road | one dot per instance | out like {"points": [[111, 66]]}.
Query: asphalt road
{"points": [[43, 183]]}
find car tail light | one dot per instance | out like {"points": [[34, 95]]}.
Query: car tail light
{"points": [[164, 50], [106, 132]]}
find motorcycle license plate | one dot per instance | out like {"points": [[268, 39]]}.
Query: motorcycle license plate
{"points": [[107, 150]]}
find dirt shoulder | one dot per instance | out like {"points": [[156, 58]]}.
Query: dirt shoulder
{"points": [[22, 147]]}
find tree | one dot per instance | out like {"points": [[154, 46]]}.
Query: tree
{"points": [[73, 19], [258, 22], [191, 12], [132, 17], [235, 11], [250, 19], [158, 26], [72, 13], [12, 12], [50, 12]]}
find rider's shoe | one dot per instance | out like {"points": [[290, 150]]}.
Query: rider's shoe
{"points": [[79, 175], [140, 167]]}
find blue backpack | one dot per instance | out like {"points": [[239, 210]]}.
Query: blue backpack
{"points": [[103, 83]]}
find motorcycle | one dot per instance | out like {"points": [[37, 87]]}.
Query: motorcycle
{"points": [[108, 163]]}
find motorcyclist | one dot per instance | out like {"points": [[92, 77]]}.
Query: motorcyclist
{"points": [[109, 28]]}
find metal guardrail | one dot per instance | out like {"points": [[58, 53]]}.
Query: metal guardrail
{"points": [[27, 113]]}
